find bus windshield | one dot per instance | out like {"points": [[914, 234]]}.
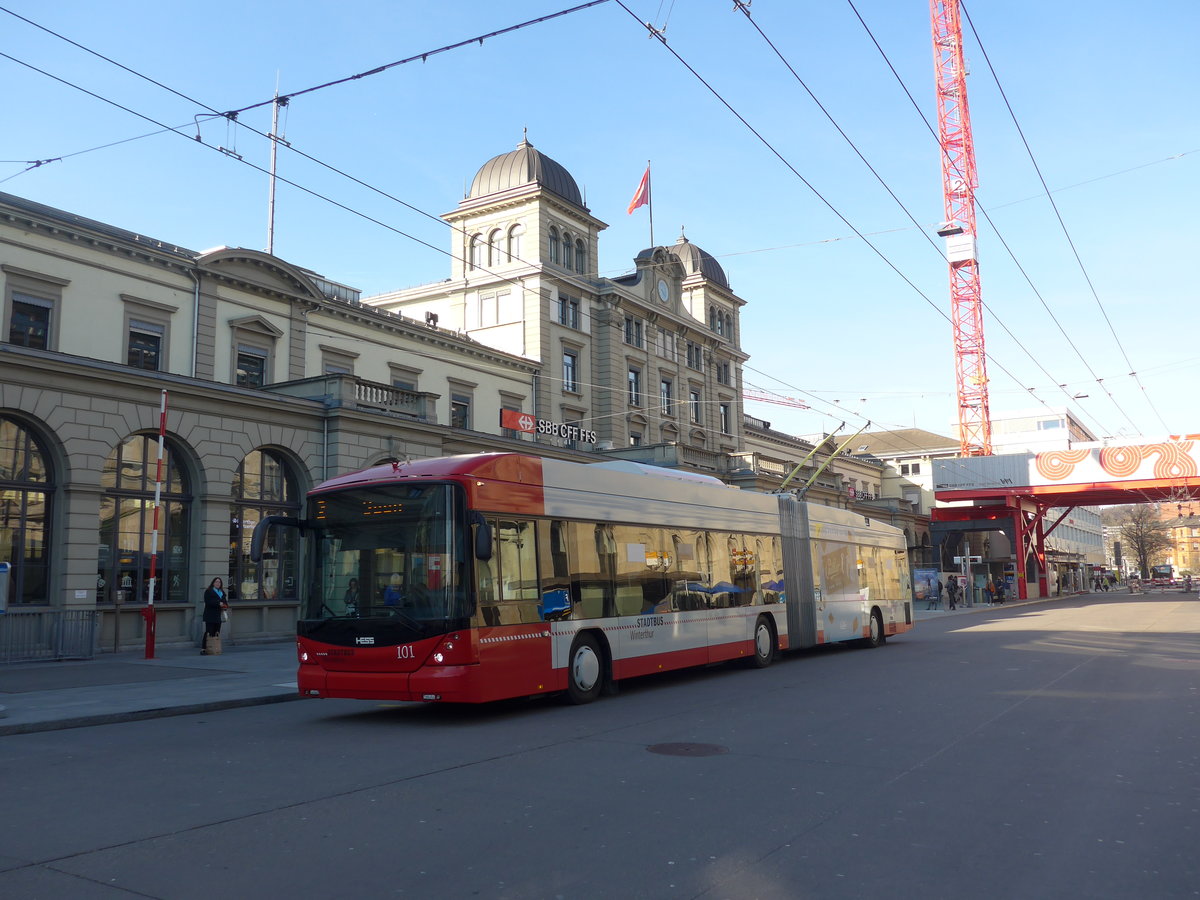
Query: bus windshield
{"points": [[395, 552]]}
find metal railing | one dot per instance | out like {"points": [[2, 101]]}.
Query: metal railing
{"points": [[34, 634]]}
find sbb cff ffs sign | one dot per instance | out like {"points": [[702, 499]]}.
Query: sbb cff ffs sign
{"points": [[527, 423]]}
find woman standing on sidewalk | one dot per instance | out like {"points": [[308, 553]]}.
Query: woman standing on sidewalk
{"points": [[215, 604]]}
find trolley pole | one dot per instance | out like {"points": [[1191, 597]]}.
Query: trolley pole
{"points": [[148, 612]]}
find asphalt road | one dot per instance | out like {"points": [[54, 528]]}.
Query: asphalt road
{"points": [[1046, 751]]}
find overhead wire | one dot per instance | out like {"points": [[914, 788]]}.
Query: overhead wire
{"points": [[744, 9], [1003, 241], [1058, 215], [232, 117], [762, 139], [300, 187], [569, 276], [995, 228]]}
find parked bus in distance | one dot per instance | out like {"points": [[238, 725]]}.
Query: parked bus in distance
{"points": [[482, 577]]}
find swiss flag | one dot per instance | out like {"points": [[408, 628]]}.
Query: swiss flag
{"points": [[642, 195]]}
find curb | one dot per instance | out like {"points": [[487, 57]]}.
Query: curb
{"points": [[135, 715]]}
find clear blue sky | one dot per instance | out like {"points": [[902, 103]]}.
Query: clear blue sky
{"points": [[1105, 93]]}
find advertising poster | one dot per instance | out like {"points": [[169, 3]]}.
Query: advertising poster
{"points": [[923, 582]]}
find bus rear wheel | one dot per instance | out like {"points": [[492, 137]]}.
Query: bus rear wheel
{"points": [[876, 636], [585, 670], [764, 643]]}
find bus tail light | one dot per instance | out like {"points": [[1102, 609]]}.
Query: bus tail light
{"points": [[455, 650], [304, 656]]}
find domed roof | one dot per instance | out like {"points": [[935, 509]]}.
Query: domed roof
{"points": [[694, 260], [522, 166]]}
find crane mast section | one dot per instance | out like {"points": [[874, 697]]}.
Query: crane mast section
{"points": [[959, 182]]}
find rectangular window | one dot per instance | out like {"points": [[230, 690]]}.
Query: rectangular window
{"points": [[568, 311], [251, 367], [570, 372], [30, 322], [633, 331], [667, 347], [635, 387], [635, 439], [694, 405], [695, 356], [145, 345], [460, 411], [489, 309], [337, 360], [722, 370], [726, 422], [664, 396]]}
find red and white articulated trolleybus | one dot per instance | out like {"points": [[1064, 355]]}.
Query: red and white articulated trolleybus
{"points": [[476, 578]]}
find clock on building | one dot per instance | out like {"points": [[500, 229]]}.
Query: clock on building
{"points": [[664, 292]]}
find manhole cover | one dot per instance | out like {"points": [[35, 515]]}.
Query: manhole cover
{"points": [[688, 749]]}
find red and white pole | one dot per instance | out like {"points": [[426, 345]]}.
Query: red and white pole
{"points": [[148, 613]]}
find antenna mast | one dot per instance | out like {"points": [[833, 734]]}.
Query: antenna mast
{"points": [[275, 139], [959, 182]]}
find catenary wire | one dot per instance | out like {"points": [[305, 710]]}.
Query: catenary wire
{"points": [[1058, 215], [615, 324], [809, 185], [743, 8], [995, 228]]}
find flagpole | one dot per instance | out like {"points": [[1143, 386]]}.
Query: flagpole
{"points": [[650, 200]]}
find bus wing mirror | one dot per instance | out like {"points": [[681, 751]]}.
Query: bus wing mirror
{"points": [[260, 533], [483, 538]]}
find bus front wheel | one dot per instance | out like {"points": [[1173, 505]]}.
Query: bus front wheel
{"points": [[585, 670]]}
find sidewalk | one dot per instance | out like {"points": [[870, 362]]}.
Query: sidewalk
{"points": [[919, 607], [121, 687]]}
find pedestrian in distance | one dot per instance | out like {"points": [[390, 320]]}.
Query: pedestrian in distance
{"points": [[952, 594], [216, 605], [989, 588]]}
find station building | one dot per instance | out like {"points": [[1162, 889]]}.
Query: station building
{"points": [[276, 378]]}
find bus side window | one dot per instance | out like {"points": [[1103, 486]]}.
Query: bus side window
{"points": [[486, 580], [559, 591], [517, 574]]}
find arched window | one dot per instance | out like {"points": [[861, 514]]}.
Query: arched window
{"points": [[127, 525], [26, 486], [553, 244], [728, 332], [493, 256], [263, 486], [714, 321], [567, 248], [475, 252], [580, 256], [514, 242]]}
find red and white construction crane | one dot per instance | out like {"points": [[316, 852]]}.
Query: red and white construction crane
{"points": [[959, 182]]}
